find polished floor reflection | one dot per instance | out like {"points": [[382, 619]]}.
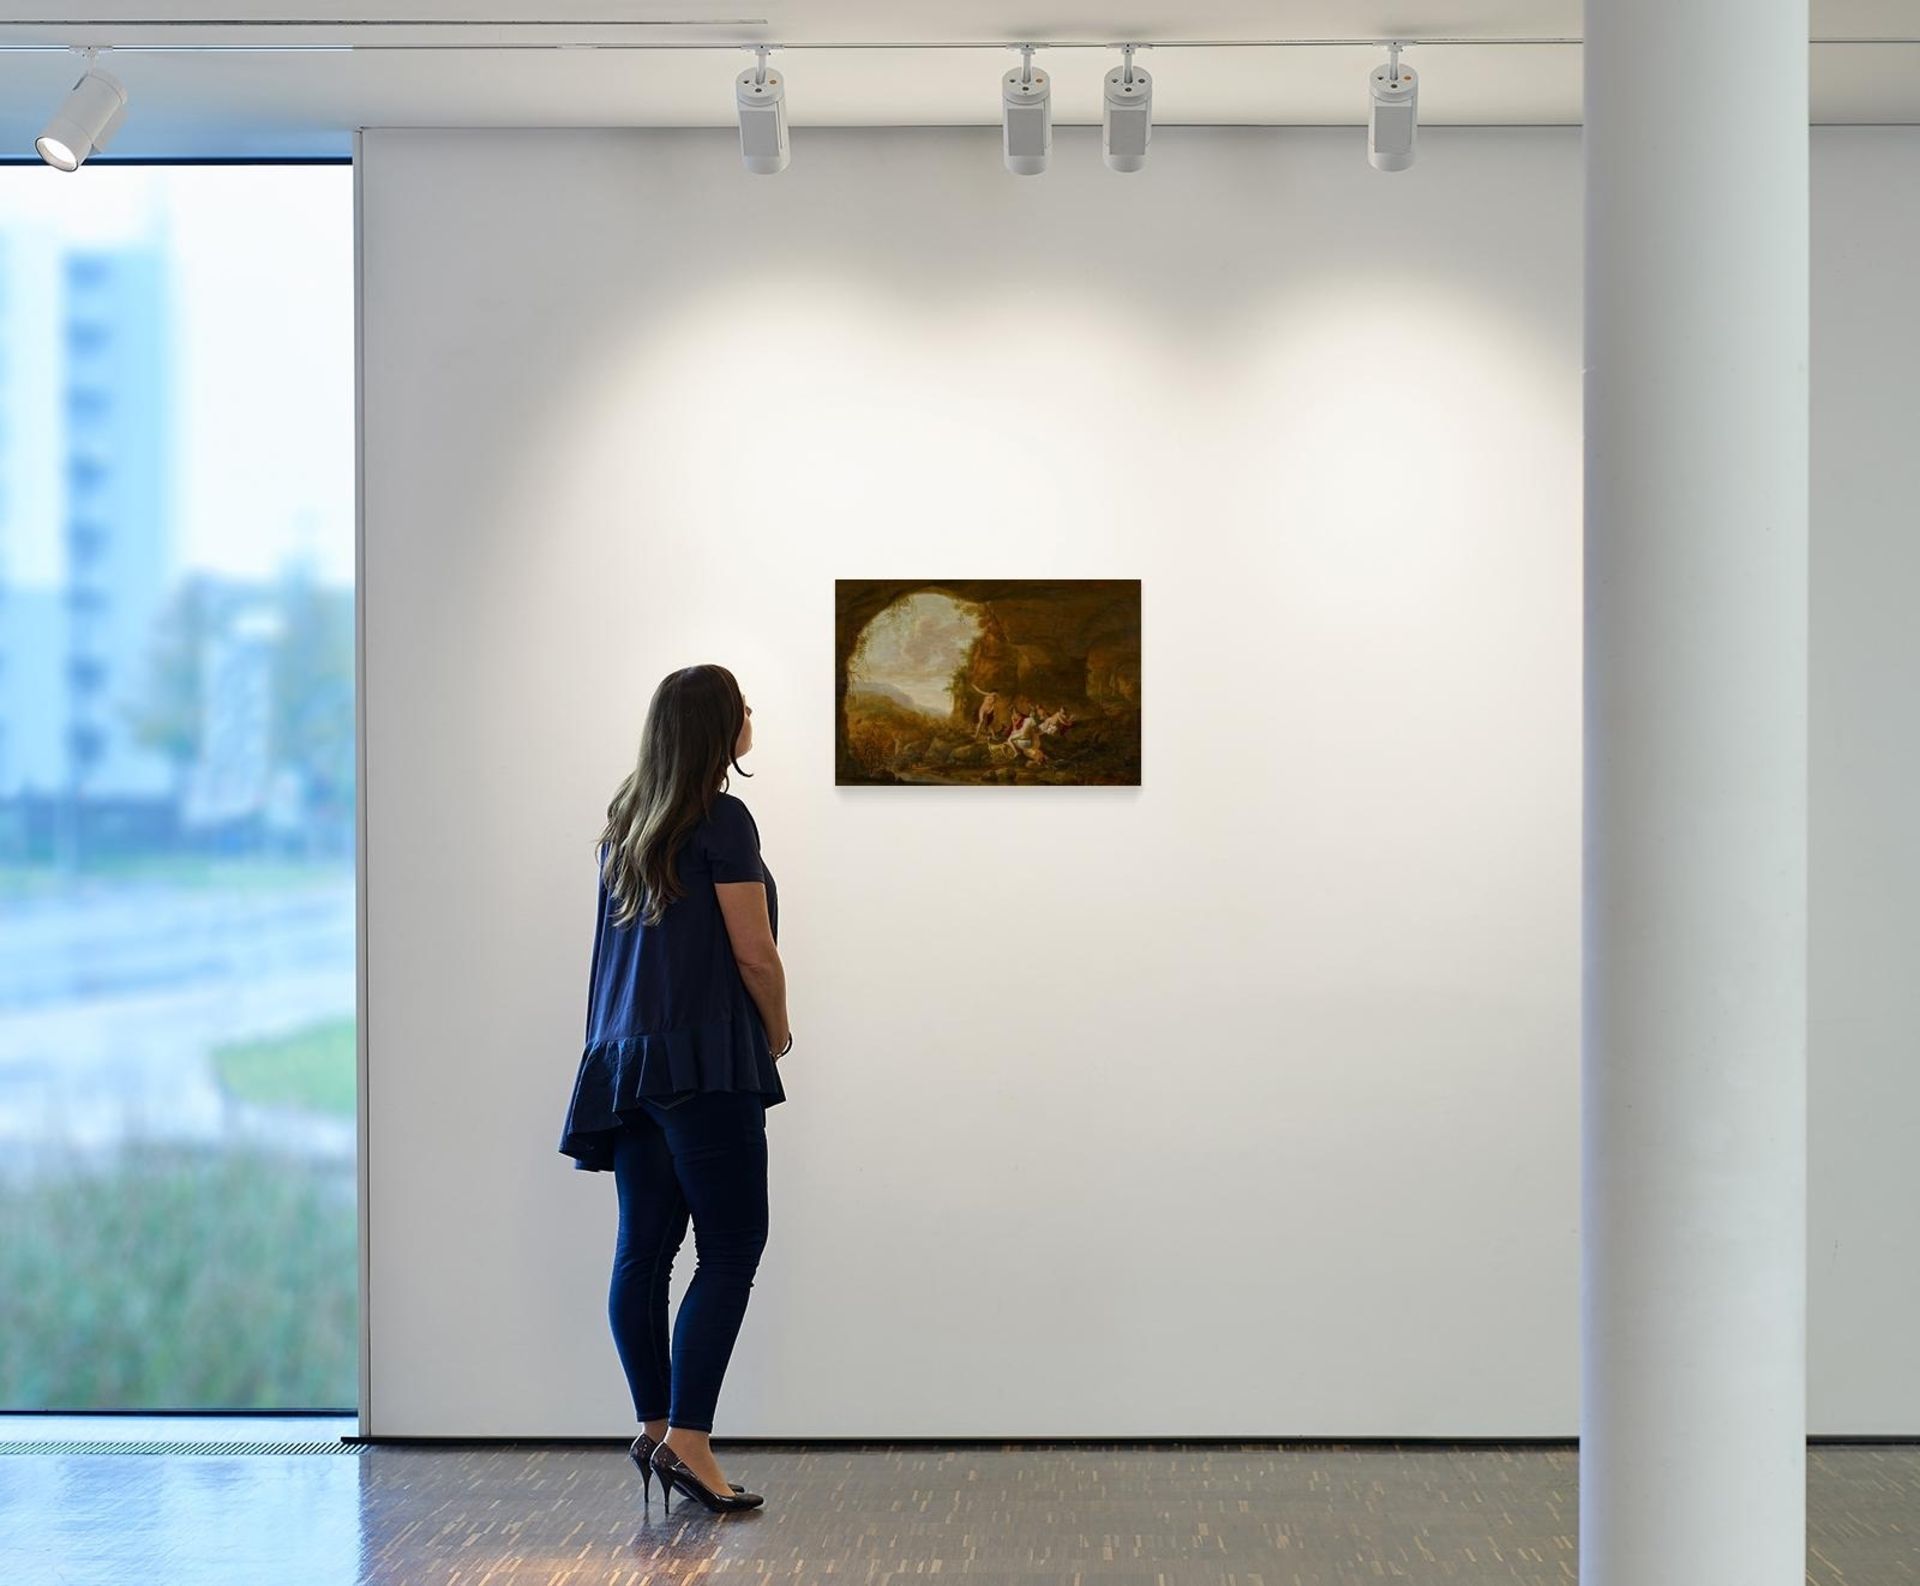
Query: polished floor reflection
{"points": [[1102, 1515]]}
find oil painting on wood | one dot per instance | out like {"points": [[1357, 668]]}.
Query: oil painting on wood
{"points": [[988, 682]]}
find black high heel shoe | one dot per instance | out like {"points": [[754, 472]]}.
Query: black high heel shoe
{"points": [[640, 1452], [673, 1473]]}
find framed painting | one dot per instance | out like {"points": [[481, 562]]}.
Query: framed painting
{"points": [[987, 682]]}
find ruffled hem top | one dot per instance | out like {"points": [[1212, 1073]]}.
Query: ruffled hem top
{"points": [[668, 1015]]}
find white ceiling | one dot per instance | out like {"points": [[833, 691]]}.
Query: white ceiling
{"points": [[574, 63]]}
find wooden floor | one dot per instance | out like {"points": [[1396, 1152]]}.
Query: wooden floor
{"points": [[1105, 1515]]}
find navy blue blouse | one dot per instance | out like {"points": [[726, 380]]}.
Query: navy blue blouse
{"points": [[667, 1012]]}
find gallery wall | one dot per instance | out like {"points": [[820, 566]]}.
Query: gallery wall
{"points": [[1240, 1103], [1863, 1081]]}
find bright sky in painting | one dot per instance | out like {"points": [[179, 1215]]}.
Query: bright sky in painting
{"points": [[914, 647]]}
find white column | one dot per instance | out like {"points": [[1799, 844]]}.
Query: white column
{"points": [[1693, 1273]]}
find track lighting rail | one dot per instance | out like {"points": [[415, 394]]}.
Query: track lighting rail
{"points": [[352, 25]]}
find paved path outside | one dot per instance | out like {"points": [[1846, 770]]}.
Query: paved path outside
{"points": [[111, 1008]]}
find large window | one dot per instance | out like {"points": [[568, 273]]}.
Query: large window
{"points": [[177, 1183]]}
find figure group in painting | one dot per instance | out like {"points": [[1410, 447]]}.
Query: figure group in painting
{"points": [[1016, 727]]}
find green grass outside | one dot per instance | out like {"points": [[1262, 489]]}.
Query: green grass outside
{"points": [[29, 882], [180, 1280], [315, 1068]]}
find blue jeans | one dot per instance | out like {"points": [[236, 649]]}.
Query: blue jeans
{"points": [[703, 1155]]}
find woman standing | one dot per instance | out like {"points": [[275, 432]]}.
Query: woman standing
{"points": [[686, 1021]]}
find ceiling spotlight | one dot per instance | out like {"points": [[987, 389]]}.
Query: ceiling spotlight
{"points": [[761, 99], [1395, 91], [87, 121], [1026, 114], [1128, 119]]}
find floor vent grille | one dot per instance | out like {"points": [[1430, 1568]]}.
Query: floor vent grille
{"points": [[134, 1446]]}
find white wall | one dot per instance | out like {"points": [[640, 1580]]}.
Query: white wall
{"points": [[1243, 1103], [1863, 1089]]}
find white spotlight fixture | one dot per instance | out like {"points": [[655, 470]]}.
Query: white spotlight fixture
{"points": [[1026, 116], [761, 98], [1127, 123], [84, 125], [1395, 91]]}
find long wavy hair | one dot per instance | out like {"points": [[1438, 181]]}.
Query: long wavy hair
{"points": [[686, 747]]}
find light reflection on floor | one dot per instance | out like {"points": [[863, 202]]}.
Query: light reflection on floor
{"points": [[1087, 1514]]}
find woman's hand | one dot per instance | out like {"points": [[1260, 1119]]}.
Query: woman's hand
{"points": [[781, 1047]]}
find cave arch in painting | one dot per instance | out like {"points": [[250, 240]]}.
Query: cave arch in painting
{"points": [[980, 681], [920, 652]]}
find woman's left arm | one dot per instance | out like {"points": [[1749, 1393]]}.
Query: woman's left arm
{"points": [[743, 905]]}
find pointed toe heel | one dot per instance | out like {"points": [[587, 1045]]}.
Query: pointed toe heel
{"points": [[640, 1451], [673, 1473]]}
